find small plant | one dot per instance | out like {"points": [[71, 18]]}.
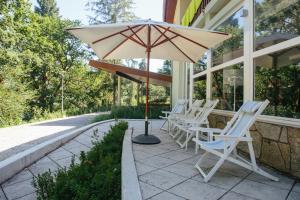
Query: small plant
{"points": [[97, 176]]}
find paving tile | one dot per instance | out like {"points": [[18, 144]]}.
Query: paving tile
{"points": [[195, 190], [162, 179], [294, 196], [86, 140], [260, 191], [183, 169], [235, 196], [75, 147], [169, 146], [21, 176], [148, 190], [296, 188], [19, 189], [206, 163], [59, 154], [283, 183], [220, 179], [154, 150], [176, 155], [42, 166], [140, 155], [158, 162], [2, 196], [31, 196], [234, 169], [66, 162], [142, 169], [166, 196]]}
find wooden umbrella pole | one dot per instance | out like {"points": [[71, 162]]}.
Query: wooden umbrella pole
{"points": [[147, 81]]}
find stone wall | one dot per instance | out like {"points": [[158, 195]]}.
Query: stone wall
{"points": [[276, 146]]}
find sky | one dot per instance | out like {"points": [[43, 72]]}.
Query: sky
{"points": [[144, 9]]}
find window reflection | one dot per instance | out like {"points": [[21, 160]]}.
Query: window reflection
{"points": [[227, 86], [277, 78], [201, 65], [199, 88], [233, 47], [276, 21]]}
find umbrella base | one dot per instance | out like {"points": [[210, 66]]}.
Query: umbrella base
{"points": [[146, 139]]}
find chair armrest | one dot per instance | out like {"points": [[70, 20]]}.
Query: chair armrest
{"points": [[229, 137], [206, 130], [192, 121], [166, 112]]}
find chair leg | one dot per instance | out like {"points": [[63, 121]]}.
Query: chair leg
{"points": [[162, 127], [214, 169]]}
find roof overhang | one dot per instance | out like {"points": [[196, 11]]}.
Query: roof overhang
{"points": [[132, 74], [169, 10]]}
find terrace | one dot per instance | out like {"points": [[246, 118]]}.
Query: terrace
{"points": [[163, 171]]}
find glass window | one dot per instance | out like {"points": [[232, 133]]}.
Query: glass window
{"points": [[201, 65], [276, 21], [227, 86], [233, 47], [277, 78], [199, 88]]}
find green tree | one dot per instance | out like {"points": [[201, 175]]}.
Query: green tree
{"points": [[111, 11], [166, 68], [47, 8]]}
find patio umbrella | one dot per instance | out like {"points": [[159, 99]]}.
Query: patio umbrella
{"points": [[150, 39]]}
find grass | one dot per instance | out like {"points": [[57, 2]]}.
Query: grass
{"points": [[97, 176]]}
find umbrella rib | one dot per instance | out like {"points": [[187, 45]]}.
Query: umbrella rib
{"points": [[131, 38], [109, 36], [121, 43], [184, 37], [175, 45], [135, 33], [159, 37], [163, 41]]}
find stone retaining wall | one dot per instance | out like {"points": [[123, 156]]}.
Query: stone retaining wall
{"points": [[274, 145]]}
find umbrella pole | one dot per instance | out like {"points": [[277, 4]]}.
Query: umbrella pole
{"points": [[146, 138]]}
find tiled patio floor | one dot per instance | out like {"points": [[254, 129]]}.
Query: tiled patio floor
{"points": [[166, 172]]}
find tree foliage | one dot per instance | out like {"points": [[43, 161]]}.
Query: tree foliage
{"points": [[47, 8]]}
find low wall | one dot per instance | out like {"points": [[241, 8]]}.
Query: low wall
{"points": [[274, 145]]}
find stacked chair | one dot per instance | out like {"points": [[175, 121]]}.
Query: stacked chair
{"points": [[180, 125], [178, 109], [220, 142]]}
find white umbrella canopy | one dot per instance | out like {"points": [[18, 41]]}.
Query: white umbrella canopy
{"points": [[129, 40], [150, 39]]}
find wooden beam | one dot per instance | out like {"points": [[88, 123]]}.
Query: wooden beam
{"points": [[112, 68]]}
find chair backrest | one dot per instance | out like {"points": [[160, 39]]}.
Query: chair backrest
{"points": [[179, 106], [194, 109], [245, 117], [206, 110]]}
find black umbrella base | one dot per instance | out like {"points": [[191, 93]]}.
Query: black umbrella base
{"points": [[146, 139]]}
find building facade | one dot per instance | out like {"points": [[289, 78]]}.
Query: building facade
{"points": [[260, 61]]}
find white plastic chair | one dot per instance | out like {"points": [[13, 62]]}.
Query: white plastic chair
{"points": [[199, 121], [179, 108], [189, 114], [224, 145]]}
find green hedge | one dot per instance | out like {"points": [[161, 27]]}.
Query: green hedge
{"points": [[133, 112], [97, 176]]}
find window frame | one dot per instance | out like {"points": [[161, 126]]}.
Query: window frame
{"points": [[248, 58]]}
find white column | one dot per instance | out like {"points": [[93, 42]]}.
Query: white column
{"points": [[248, 49], [119, 91], [191, 84], [208, 75]]}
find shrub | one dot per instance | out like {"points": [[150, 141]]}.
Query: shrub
{"points": [[97, 176]]}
